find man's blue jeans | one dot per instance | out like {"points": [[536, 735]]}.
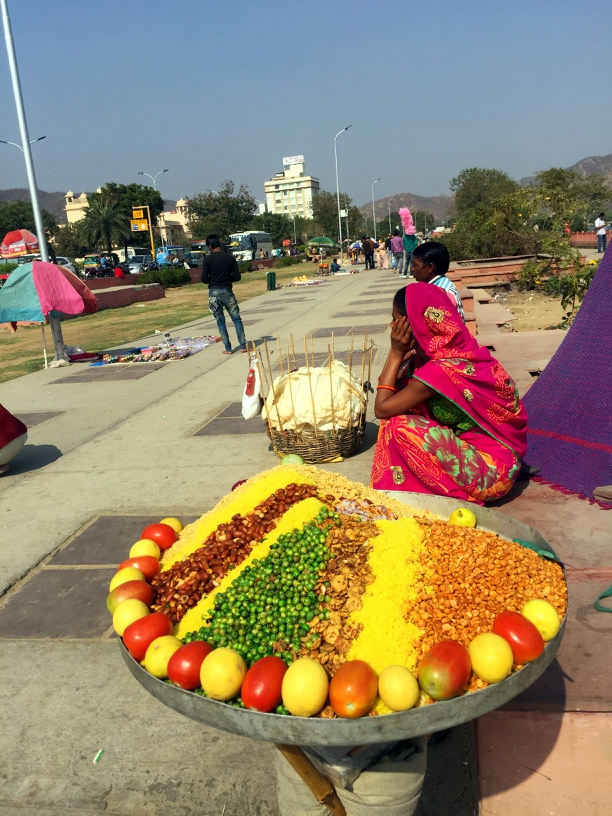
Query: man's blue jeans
{"points": [[601, 243], [218, 299]]}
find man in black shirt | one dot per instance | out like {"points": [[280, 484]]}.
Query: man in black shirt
{"points": [[219, 271]]}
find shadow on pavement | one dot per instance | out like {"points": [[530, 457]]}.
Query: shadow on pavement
{"points": [[33, 457]]}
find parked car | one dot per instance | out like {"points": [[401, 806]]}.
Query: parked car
{"points": [[138, 261], [61, 260]]}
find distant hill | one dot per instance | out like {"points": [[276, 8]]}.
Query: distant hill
{"points": [[52, 202], [55, 202], [592, 165], [440, 206]]}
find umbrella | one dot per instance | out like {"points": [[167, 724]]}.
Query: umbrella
{"points": [[321, 240], [18, 242], [38, 289]]}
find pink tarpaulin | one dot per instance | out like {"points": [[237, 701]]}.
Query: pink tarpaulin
{"points": [[18, 242], [60, 290]]}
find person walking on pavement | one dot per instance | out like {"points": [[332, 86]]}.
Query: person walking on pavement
{"points": [[600, 226], [219, 272], [397, 248], [409, 240], [368, 252]]}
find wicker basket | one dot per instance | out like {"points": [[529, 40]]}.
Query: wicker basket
{"points": [[326, 446]]}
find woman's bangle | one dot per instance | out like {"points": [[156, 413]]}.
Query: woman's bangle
{"points": [[386, 388]]}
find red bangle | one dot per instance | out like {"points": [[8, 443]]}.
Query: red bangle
{"points": [[387, 388]]}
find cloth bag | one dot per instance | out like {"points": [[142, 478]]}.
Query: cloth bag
{"points": [[251, 397]]}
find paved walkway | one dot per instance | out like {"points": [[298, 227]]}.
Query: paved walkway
{"points": [[120, 446]]}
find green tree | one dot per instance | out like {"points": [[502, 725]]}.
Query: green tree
{"points": [[69, 241], [105, 224], [478, 186], [580, 197], [278, 225], [325, 215], [222, 213], [16, 215], [127, 197]]}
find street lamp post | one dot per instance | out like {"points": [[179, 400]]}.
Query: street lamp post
{"points": [[19, 147], [56, 329], [338, 188], [373, 212], [154, 180], [389, 206]]}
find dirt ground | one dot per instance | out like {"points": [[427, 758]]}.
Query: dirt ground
{"points": [[533, 310]]}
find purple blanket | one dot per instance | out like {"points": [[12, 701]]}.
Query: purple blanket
{"points": [[570, 404]]}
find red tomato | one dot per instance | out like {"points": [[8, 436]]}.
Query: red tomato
{"points": [[445, 670], [147, 564], [353, 689], [185, 664], [163, 535], [261, 687], [139, 635], [131, 589], [524, 638]]}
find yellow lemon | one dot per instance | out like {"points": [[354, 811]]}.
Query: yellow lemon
{"points": [[398, 688], [145, 547], [222, 673], [544, 617], [158, 655], [176, 525], [127, 612], [491, 657], [126, 574], [462, 517], [305, 686]]}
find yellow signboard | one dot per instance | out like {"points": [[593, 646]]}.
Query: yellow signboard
{"points": [[140, 225], [138, 215]]}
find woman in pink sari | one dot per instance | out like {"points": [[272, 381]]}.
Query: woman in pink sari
{"points": [[456, 426]]}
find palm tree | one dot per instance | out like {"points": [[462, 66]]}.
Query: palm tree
{"points": [[105, 224]]}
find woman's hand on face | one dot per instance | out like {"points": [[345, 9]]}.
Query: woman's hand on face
{"points": [[402, 339]]}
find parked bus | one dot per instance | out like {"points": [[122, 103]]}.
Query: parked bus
{"points": [[249, 246]]}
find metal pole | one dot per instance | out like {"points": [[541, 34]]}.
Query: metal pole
{"points": [[389, 205], [373, 212], [154, 180], [338, 190], [56, 329], [294, 232]]}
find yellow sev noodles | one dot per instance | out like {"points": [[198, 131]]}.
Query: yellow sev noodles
{"points": [[387, 638], [296, 517], [242, 500]]}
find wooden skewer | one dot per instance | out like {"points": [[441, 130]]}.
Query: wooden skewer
{"points": [[363, 356], [314, 413], [280, 356], [350, 357], [293, 351], [331, 391], [312, 350], [280, 424], [263, 374]]}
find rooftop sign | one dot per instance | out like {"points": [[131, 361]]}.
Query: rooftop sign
{"points": [[293, 160]]}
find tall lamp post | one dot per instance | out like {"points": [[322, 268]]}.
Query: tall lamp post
{"points": [[154, 180], [373, 212], [56, 329], [19, 147], [389, 206], [338, 188]]}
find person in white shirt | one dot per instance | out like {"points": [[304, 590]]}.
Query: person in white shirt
{"points": [[600, 226]]}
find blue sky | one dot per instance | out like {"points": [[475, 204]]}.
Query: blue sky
{"points": [[225, 89]]}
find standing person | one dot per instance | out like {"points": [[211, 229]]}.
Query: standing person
{"points": [[410, 242], [220, 271], [600, 226], [389, 250], [381, 252], [397, 248], [368, 252], [430, 262]]}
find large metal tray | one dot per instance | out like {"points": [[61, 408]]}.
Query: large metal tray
{"points": [[368, 730]]}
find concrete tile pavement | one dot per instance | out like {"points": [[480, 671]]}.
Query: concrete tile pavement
{"points": [[128, 448]]}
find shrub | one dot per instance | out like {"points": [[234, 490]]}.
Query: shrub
{"points": [[245, 266], [168, 278], [288, 260]]}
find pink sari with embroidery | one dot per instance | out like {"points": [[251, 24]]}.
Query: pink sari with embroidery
{"points": [[415, 451]]}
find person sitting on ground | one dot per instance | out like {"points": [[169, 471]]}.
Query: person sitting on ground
{"points": [[13, 436], [430, 262], [335, 266], [220, 270], [454, 427]]}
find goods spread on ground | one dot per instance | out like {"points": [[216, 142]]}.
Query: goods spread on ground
{"points": [[174, 349], [304, 593]]}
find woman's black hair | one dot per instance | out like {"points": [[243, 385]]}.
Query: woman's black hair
{"points": [[433, 252], [399, 301]]}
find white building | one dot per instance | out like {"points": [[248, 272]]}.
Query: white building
{"points": [[290, 192]]}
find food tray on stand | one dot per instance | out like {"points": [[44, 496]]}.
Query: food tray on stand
{"points": [[289, 730]]}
